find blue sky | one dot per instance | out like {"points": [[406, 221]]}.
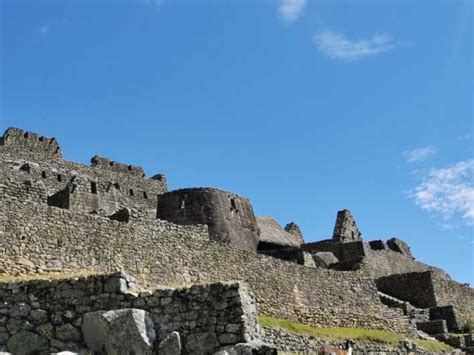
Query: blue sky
{"points": [[305, 107]]}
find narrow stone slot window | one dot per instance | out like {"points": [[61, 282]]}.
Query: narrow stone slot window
{"points": [[131, 192], [60, 177], [145, 196], [93, 187], [182, 205], [43, 174], [232, 204], [117, 186]]}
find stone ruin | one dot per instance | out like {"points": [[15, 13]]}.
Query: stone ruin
{"points": [[58, 216]]}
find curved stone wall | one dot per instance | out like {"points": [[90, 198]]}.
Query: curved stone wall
{"points": [[230, 217]]}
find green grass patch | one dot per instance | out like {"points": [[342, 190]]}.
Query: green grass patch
{"points": [[435, 346], [357, 334], [47, 276]]}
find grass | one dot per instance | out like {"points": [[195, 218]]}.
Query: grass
{"points": [[357, 334], [430, 345], [47, 276]]}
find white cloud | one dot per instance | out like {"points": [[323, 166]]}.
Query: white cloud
{"points": [[337, 46], [44, 29], [419, 154], [290, 10], [448, 192]]}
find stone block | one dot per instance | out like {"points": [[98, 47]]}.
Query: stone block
{"points": [[171, 345], [119, 331], [201, 343], [26, 342]]}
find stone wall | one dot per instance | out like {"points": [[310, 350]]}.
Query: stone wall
{"points": [[295, 344], [107, 164], [386, 262], [461, 297], [345, 229], [100, 188], [415, 287], [432, 289], [16, 140], [35, 238], [349, 252], [230, 217], [49, 314], [446, 313]]}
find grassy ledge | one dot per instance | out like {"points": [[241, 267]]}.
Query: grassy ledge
{"points": [[358, 334], [48, 276]]}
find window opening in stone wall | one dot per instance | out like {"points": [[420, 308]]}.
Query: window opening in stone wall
{"points": [[145, 195], [26, 135], [117, 186], [131, 192], [129, 168], [41, 139], [182, 205], [93, 187], [111, 163], [233, 206], [25, 167], [59, 177], [43, 174]]}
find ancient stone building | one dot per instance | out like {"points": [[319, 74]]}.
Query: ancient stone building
{"points": [[345, 229], [229, 217], [61, 216]]}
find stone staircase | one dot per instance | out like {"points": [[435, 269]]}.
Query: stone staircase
{"points": [[419, 321]]}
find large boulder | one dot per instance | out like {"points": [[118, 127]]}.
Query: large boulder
{"points": [[25, 342], [324, 259], [123, 331]]}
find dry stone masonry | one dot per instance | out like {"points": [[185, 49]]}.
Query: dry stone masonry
{"points": [[61, 216], [110, 313]]}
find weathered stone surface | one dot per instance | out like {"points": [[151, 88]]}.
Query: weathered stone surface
{"points": [[171, 345], [399, 246], [251, 348], [38, 316], [201, 343], [20, 310], [68, 332], [26, 342], [116, 284], [3, 338], [324, 259], [295, 231], [230, 217], [345, 229], [15, 325], [119, 331], [35, 237], [45, 330]]}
